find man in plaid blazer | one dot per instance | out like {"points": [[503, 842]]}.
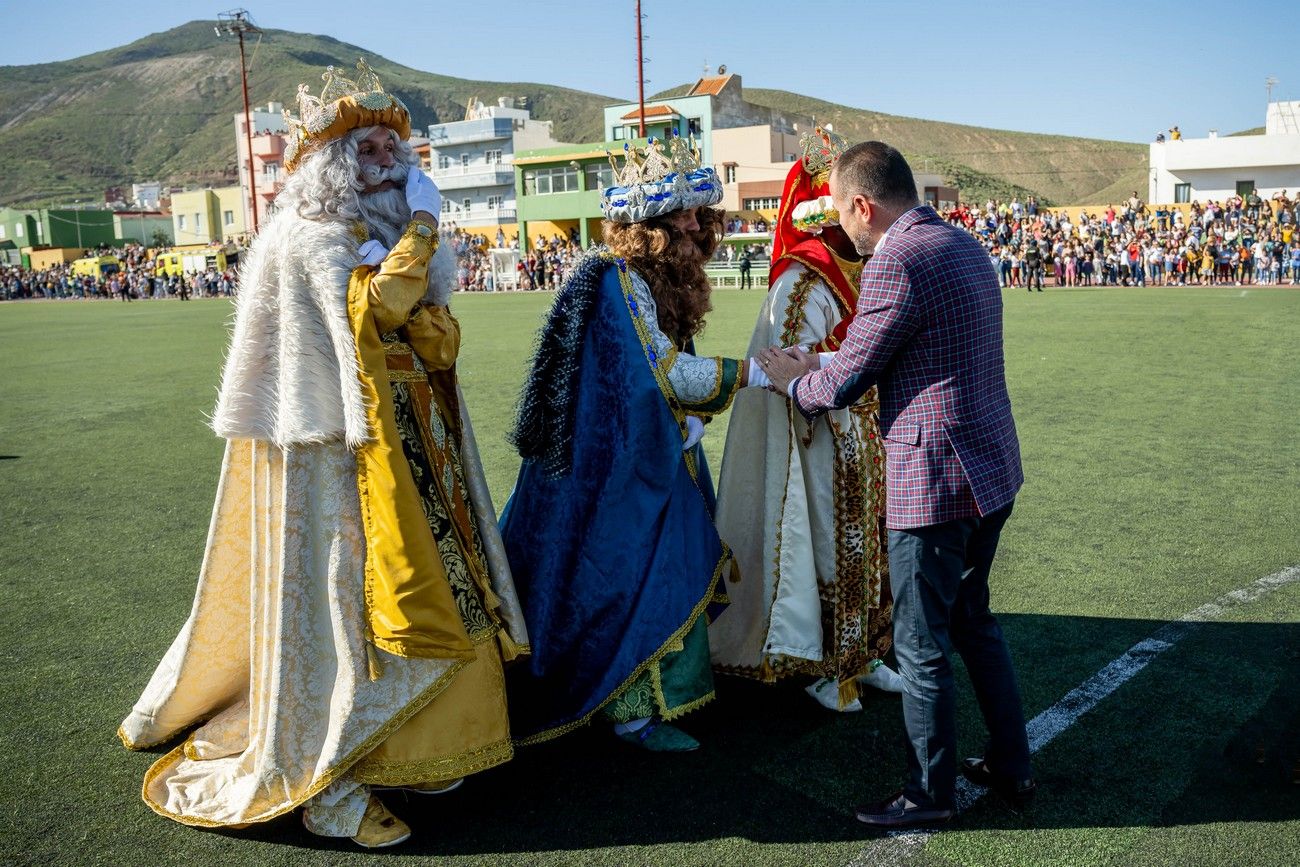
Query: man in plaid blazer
{"points": [[928, 331]]}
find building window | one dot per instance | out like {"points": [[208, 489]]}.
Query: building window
{"points": [[228, 218], [543, 182], [465, 203], [765, 203], [598, 176], [464, 160], [18, 230], [271, 172], [1182, 193], [494, 203], [446, 206], [493, 157], [695, 126], [620, 133], [1245, 188], [444, 161], [198, 222], [180, 222], [728, 173], [2, 232]]}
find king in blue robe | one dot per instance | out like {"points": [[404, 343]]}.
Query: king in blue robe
{"points": [[610, 529]]}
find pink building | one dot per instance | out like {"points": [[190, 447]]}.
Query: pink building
{"points": [[267, 161]]}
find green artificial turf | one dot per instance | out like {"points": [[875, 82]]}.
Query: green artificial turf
{"points": [[1161, 438]]}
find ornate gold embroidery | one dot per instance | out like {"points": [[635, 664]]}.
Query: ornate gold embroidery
{"points": [[440, 769], [794, 308]]}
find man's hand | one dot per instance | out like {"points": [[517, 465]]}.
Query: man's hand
{"points": [[782, 369], [422, 194], [811, 360]]}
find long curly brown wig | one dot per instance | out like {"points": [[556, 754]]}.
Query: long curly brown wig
{"points": [[680, 289]]}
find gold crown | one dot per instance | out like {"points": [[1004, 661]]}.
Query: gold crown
{"points": [[344, 104], [656, 161], [821, 148]]}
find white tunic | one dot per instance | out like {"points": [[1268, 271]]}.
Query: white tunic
{"points": [[797, 504]]}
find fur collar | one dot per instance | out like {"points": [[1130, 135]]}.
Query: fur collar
{"points": [[291, 372]]}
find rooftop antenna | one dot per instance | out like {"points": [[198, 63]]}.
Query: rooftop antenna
{"points": [[1269, 83]]}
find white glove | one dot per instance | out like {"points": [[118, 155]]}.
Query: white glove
{"points": [[421, 193], [694, 432], [372, 253]]}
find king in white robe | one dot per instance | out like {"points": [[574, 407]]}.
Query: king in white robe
{"points": [[801, 505]]}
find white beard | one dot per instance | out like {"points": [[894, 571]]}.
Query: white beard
{"points": [[385, 214]]}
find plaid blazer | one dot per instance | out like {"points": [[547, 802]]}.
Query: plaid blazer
{"points": [[928, 330]]}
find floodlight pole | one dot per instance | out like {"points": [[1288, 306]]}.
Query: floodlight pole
{"points": [[640, 71], [237, 23]]}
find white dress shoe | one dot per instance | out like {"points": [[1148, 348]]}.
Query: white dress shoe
{"points": [[827, 693], [882, 677]]}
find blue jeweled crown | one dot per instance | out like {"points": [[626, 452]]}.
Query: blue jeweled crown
{"points": [[658, 179]]}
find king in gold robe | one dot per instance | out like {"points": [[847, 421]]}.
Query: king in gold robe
{"points": [[354, 608]]}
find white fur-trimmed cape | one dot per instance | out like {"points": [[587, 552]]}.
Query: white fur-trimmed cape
{"points": [[291, 373]]}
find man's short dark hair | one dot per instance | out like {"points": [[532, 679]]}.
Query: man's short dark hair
{"points": [[877, 171]]}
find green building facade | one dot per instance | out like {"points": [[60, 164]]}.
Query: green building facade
{"points": [[56, 227], [557, 190]]}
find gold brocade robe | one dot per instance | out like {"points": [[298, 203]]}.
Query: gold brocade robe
{"points": [[353, 610]]}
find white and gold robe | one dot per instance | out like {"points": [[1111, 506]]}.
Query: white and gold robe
{"points": [[277, 664], [801, 507]]}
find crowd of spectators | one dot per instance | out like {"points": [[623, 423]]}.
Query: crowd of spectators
{"points": [[549, 263], [1243, 240], [136, 279], [546, 266]]}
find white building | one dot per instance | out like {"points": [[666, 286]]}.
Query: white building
{"points": [[1215, 168], [147, 195], [472, 161]]}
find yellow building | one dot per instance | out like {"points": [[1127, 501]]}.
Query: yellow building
{"points": [[208, 216]]}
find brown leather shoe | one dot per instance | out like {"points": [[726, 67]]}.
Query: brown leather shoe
{"points": [[1018, 794], [898, 812]]}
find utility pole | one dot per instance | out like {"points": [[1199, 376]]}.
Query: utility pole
{"points": [[640, 70], [236, 23]]}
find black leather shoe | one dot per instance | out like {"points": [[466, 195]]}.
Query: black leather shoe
{"points": [[1018, 794], [898, 812]]}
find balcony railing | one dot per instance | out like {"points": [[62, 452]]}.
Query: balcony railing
{"points": [[268, 147], [479, 175], [467, 131], [479, 216]]}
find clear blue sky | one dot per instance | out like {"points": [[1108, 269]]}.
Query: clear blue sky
{"points": [[1117, 69]]}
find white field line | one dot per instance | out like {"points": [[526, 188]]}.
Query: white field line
{"points": [[1044, 728]]}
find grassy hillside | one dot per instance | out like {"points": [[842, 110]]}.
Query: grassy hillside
{"points": [[985, 162], [162, 107]]}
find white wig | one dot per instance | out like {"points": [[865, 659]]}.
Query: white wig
{"points": [[327, 186]]}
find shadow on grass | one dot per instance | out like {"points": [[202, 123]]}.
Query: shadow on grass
{"points": [[1180, 743]]}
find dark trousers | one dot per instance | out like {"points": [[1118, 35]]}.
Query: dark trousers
{"points": [[940, 579]]}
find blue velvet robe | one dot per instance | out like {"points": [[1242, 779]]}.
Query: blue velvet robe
{"points": [[615, 556]]}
